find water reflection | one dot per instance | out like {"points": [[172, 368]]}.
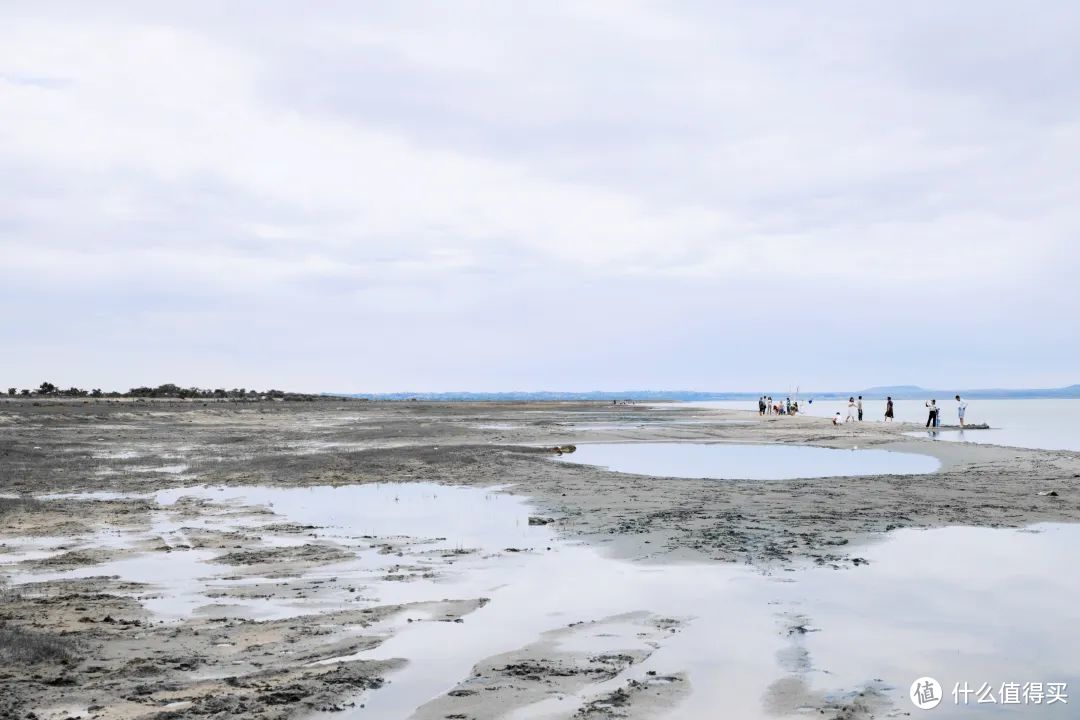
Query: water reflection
{"points": [[968, 605], [750, 462]]}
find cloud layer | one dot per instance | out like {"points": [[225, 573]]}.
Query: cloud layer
{"points": [[385, 196]]}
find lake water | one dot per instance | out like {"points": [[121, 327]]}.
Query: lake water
{"points": [[749, 462], [929, 603], [1046, 424]]}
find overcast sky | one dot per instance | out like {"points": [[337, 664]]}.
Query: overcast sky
{"points": [[378, 196]]}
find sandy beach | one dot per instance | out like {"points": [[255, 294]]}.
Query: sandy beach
{"points": [[290, 629]]}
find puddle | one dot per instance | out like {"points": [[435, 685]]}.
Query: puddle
{"points": [[458, 517], [747, 462], [168, 469], [933, 603], [929, 602], [423, 523], [652, 424], [119, 455]]}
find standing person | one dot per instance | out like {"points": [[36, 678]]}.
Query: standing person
{"points": [[888, 409], [787, 406], [931, 418], [761, 405], [850, 410], [961, 409], [858, 406]]}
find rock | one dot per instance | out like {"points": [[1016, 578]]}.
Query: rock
{"points": [[535, 520]]}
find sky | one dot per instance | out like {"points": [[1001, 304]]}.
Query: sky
{"points": [[487, 196]]}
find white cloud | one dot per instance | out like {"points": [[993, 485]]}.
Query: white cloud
{"points": [[441, 171]]}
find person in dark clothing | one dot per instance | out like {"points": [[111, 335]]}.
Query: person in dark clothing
{"points": [[932, 417], [888, 409]]}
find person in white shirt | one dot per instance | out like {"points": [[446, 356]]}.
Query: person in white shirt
{"points": [[837, 420], [961, 409], [850, 410]]}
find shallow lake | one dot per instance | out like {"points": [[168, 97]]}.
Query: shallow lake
{"points": [[1047, 424], [749, 462]]}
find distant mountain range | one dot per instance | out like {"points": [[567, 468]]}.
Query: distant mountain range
{"points": [[898, 392], [914, 392]]}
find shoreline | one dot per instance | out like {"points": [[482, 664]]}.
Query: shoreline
{"points": [[770, 525]]}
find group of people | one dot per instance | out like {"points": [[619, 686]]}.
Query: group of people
{"points": [[855, 411], [766, 406], [934, 410]]}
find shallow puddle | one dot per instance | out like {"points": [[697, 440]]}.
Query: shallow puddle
{"points": [[586, 427], [747, 462], [401, 531], [929, 603], [966, 606]]}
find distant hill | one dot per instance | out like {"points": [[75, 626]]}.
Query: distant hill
{"points": [[915, 392], [893, 389], [908, 392], [898, 392]]}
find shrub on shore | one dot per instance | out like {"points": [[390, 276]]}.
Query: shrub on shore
{"points": [[168, 391]]}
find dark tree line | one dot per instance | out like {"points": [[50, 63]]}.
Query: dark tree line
{"points": [[168, 390]]}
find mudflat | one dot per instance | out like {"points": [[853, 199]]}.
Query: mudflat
{"points": [[99, 537]]}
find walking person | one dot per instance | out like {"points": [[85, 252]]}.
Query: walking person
{"points": [[858, 406], [850, 410], [961, 409], [761, 406], [888, 409]]}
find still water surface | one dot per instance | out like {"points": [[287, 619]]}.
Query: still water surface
{"points": [[1046, 424], [971, 605], [722, 461]]}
